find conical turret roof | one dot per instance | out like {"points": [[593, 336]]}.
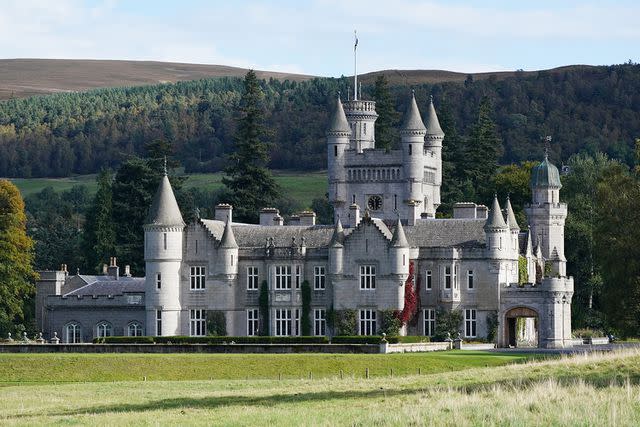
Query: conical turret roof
{"points": [[495, 220], [338, 234], [412, 120], [399, 239], [339, 124], [433, 124], [228, 240], [164, 209], [545, 174], [511, 217]]}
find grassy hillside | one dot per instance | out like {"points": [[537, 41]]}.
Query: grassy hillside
{"points": [[585, 390]]}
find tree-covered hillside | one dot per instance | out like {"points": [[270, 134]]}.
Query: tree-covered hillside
{"points": [[583, 108]]}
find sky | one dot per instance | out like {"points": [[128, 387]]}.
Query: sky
{"points": [[316, 37]]}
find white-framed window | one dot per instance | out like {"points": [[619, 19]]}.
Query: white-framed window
{"points": [[429, 315], [72, 333], [428, 280], [253, 322], [158, 280], [298, 270], [158, 322], [283, 276], [319, 277], [134, 329], [103, 329], [319, 322], [470, 322], [197, 276], [367, 277], [296, 323], [367, 324], [470, 279], [198, 322], [283, 322], [447, 277], [252, 278]]}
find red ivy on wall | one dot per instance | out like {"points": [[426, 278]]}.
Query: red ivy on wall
{"points": [[411, 297]]}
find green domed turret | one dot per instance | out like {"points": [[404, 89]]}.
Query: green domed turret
{"points": [[545, 175]]}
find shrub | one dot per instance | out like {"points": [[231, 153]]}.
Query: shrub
{"points": [[263, 302], [361, 339], [523, 273], [411, 339], [240, 340], [447, 322], [492, 326], [123, 340], [345, 322], [588, 333], [216, 323], [390, 324], [306, 308]]}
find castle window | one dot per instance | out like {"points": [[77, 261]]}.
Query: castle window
{"points": [[198, 322], [283, 322], [367, 277], [367, 324], [158, 322], [103, 329], [319, 322], [134, 329], [353, 198], [470, 323], [395, 201], [410, 149], [429, 315], [196, 246], [158, 280], [335, 150], [364, 129], [283, 277], [253, 322], [455, 276], [447, 277], [252, 278], [197, 277], [165, 241], [72, 333], [319, 277], [298, 276], [470, 279], [428, 280]]}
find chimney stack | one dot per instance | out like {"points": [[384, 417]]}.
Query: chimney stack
{"points": [[354, 215], [113, 270], [308, 218], [268, 216], [224, 211], [127, 271]]}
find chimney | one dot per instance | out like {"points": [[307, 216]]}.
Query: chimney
{"points": [[63, 268], [308, 218], [354, 215], [104, 269], [224, 211], [294, 220], [278, 220], [113, 270], [412, 218], [482, 212], [267, 216], [465, 210], [127, 271]]}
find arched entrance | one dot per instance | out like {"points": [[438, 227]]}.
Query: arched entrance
{"points": [[522, 327]]}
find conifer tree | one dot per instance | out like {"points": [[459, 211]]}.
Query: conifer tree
{"points": [[248, 180], [99, 235], [387, 114], [16, 260]]}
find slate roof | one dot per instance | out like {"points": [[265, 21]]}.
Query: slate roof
{"points": [[433, 125], [339, 123], [545, 175], [164, 210], [446, 233], [412, 120], [399, 237], [108, 285], [495, 220]]}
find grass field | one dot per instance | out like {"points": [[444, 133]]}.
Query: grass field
{"points": [[300, 186], [594, 390]]}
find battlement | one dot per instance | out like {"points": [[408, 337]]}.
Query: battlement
{"points": [[360, 107]]}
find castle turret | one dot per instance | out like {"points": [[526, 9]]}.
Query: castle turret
{"points": [[163, 257], [338, 135], [514, 230], [497, 232], [228, 253], [412, 136], [433, 157], [336, 249], [361, 116], [399, 250]]}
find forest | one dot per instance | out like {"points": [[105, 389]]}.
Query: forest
{"points": [[592, 109]]}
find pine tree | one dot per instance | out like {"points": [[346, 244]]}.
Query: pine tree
{"points": [[387, 115], [16, 260], [453, 175], [249, 182], [99, 235]]}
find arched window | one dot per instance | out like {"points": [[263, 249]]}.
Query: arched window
{"points": [[72, 333], [134, 329], [103, 329]]}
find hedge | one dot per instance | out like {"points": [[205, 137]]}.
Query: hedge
{"points": [[377, 339], [123, 340], [211, 340]]}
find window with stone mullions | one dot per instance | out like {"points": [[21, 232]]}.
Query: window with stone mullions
{"points": [[283, 277], [253, 322], [470, 279], [428, 280], [252, 278], [319, 277], [197, 322], [367, 324], [470, 322], [367, 277], [197, 277], [319, 322], [429, 321], [283, 322]]}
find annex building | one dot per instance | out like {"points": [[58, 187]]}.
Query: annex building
{"points": [[385, 235]]}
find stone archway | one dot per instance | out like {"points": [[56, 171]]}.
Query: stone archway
{"points": [[522, 327]]}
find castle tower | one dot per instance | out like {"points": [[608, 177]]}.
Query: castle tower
{"points": [[228, 253], [163, 232], [497, 233], [338, 135], [412, 135], [361, 116], [433, 160], [399, 249], [336, 250], [514, 231]]}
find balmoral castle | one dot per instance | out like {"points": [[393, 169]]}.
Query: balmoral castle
{"points": [[385, 235]]}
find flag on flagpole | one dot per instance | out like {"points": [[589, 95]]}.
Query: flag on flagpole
{"points": [[356, 37]]}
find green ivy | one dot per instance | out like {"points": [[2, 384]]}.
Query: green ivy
{"points": [[523, 272], [216, 323], [306, 308], [345, 322], [389, 322], [263, 302]]}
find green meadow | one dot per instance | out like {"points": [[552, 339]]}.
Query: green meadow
{"points": [[588, 390]]}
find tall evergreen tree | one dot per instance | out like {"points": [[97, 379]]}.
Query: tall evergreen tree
{"points": [[453, 188], [386, 132], [99, 234], [16, 260], [249, 182]]}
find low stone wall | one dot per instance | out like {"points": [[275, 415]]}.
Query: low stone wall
{"points": [[414, 347], [190, 348], [478, 346], [596, 341]]}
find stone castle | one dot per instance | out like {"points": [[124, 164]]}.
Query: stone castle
{"points": [[385, 237]]}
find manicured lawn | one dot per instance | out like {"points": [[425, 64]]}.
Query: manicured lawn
{"points": [[588, 390]]}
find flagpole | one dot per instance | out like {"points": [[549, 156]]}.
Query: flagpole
{"points": [[355, 67]]}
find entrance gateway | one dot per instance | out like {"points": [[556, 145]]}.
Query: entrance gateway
{"points": [[522, 327]]}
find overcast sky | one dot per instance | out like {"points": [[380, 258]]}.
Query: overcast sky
{"points": [[316, 37]]}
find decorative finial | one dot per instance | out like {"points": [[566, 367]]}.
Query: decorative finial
{"points": [[431, 99], [413, 93], [165, 165], [339, 93], [547, 145]]}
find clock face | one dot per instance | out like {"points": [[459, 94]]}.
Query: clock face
{"points": [[374, 203]]}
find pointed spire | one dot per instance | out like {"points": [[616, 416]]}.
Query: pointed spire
{"points": [[339, 126], [554, 254], [539, 251], [164, 209], [399, 239], [228, 240], [529, 249], [433, 124], [338, 234], [412, 120], [511, 217], [495, 220]]}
